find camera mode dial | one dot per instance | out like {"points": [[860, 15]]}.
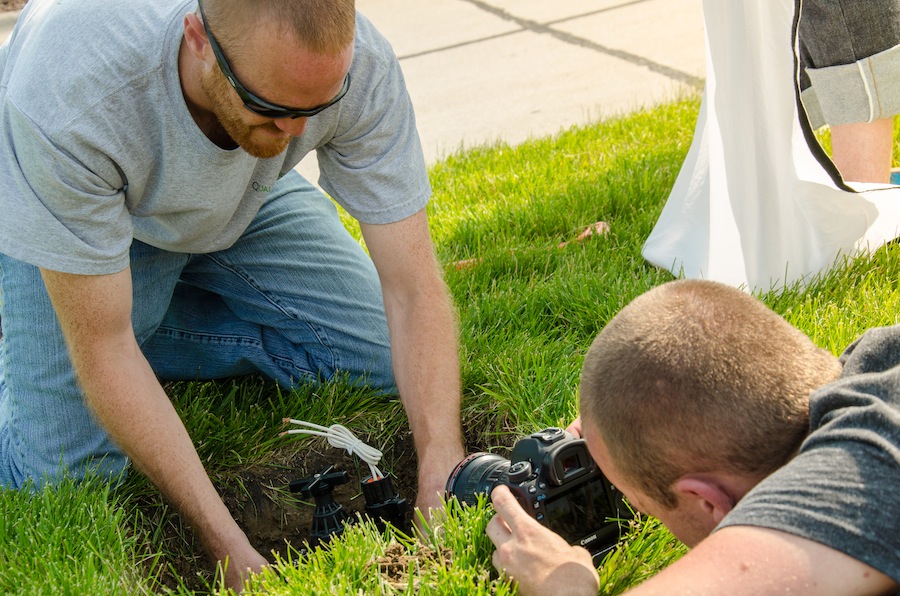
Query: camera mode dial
{"points": [[519, 472]]}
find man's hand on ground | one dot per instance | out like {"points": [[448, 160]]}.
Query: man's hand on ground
{"points": [[432, 482], [430, 496], [239, 564], [540, 561]]}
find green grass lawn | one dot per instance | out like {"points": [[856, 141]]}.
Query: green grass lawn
{"points": [[528, 310]]}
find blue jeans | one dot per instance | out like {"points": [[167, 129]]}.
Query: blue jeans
{"points": [[295, 299]]}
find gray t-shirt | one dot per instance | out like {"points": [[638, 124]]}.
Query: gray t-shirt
{"points": [[843, 488], [97, 145]]}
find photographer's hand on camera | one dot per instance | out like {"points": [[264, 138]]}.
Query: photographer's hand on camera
{"points": [[540, 561], [575, 428]]}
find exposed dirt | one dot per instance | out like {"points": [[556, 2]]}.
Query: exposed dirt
{"points": [[273, 518], [394, 566]]}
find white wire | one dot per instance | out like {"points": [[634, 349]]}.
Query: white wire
{"points": [[865, 82], [340, 437]]}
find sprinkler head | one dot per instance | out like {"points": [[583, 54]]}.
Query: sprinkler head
{"points": [[329, 517]]}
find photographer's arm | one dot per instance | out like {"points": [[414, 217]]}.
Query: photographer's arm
{"points": [[745, 560], [737, 561], [95, 315]]}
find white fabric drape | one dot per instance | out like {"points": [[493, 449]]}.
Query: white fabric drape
{"points": [[753, 206]]}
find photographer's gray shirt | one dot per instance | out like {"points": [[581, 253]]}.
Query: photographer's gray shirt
{"points": [[97, 145], [843, 488]]}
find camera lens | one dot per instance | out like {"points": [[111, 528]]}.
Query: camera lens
{"points": [[478, 473]]}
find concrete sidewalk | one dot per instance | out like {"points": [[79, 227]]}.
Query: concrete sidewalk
{"points": [[483, 70], [480, 71]]}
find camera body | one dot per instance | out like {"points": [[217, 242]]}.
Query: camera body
{"points": [[556, 481]]}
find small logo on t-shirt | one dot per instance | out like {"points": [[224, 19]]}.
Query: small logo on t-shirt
{"points": [[261, 187]]}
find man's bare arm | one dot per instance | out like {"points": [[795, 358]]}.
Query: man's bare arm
{"points": [[95, 315], [424, 346], [744, 560], [735, 561]]}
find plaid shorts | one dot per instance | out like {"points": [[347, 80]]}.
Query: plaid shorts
{"points": [[850, 60]]}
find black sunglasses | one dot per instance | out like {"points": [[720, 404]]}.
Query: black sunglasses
{"points": [[256, 104]]}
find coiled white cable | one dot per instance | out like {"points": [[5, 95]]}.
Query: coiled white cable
{"points": [[340, 437]]}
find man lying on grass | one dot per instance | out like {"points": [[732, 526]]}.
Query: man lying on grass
{"points": [[712, 413]]}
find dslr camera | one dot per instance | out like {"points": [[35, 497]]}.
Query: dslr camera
{"points": [[556, 481]]}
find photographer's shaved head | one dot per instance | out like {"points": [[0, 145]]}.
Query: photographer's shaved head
{"points": [[683, 381]]}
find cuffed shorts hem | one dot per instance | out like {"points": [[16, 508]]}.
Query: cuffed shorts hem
{"points": [[863, 91]]}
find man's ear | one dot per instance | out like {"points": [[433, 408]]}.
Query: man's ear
{"points": [[195, 35], [711, 496]]}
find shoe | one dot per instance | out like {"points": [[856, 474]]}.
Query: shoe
{"points": [[895, 176]]}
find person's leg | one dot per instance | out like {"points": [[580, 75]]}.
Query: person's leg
{"points": [[862, 151], [295, 299], [850, 53], [46, 429]]}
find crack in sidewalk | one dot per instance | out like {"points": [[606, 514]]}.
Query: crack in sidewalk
{"points": [[547, 29]]}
